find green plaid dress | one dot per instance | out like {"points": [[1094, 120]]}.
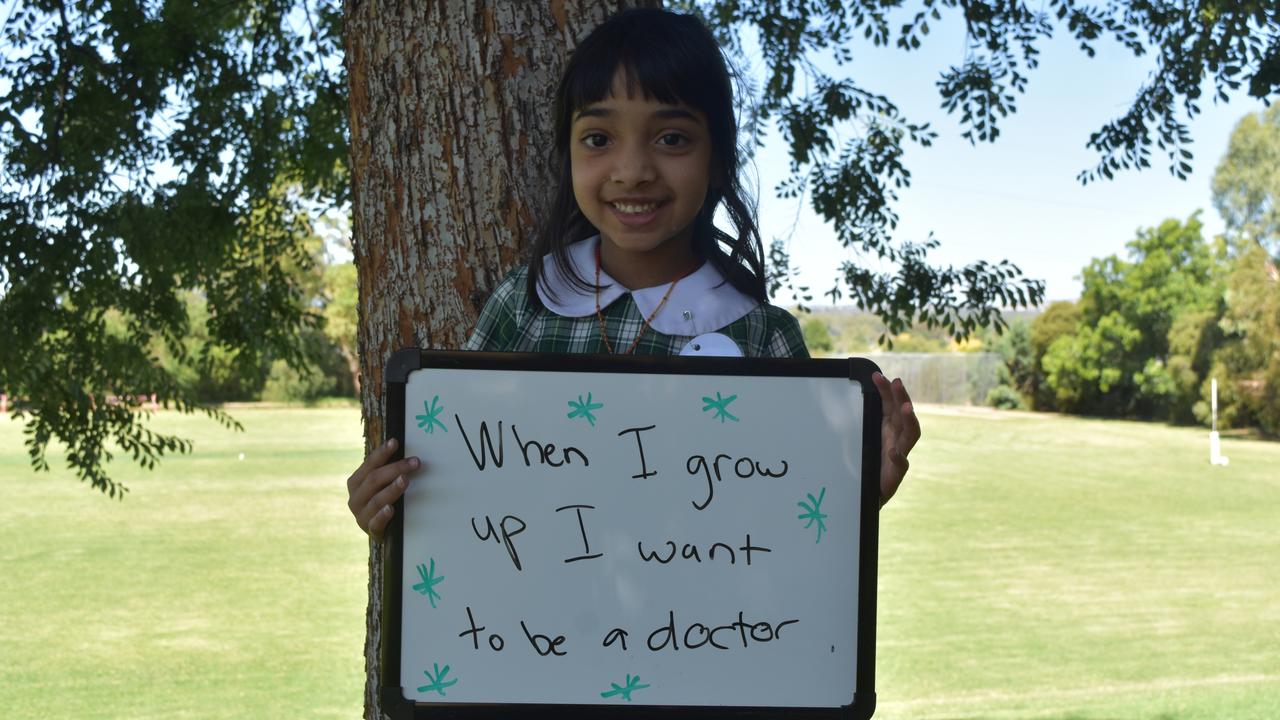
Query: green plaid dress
{"points": [[510, 323]]}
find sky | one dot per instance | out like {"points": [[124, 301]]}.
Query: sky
{"points": [[1018, 198]]}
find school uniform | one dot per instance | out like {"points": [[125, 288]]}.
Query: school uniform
{"points": [[704, 315]]}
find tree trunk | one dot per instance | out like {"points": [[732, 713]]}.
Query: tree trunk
{"points": [[450, 127]]}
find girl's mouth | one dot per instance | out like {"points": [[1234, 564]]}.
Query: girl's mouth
{"points": [[635, 214]]}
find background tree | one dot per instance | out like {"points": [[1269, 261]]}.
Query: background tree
{"points": [[341, 317], [1246, 188], [1058, 319], [1247, 364], [817, 337], [1117, 361], [151, 150], [1246, 183], [1016, 374]]}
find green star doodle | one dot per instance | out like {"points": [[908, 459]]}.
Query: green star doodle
{"points": [[430, 420], [633, 684], [814, 514], [721, 405], [429, 581], [583, 409], [437, 683]]}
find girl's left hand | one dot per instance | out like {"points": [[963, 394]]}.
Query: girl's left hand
{"points": [[899, 431]]}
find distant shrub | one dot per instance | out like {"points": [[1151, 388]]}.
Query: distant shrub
{"points": [[284, 384], [816, 335], [1005, 398]]}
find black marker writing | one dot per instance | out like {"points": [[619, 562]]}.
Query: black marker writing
{"points": [[503, 535], [644, 469], [545, 453], [743, 467], [689, 551], [615, 635], [719, 637], [486, 444], [586, 545], [495, 640], [543, 644]]}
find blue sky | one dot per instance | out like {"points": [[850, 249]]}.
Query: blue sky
{"points": [[1018, 198]]}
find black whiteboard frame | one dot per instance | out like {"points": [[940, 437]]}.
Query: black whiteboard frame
{"points": [[395, 379]]}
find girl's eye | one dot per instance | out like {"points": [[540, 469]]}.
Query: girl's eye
{"points": [[672, 140], [595, 140]]}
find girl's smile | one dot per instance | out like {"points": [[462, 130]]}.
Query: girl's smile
{"points": [[636, 213], [640, 172]]}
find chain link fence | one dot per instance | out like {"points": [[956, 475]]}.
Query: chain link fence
{"points": [[942, 378]]}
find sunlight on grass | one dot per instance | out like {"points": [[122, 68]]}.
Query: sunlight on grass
{"points": [[1033, 566], [1046, 566], [218, 588]]}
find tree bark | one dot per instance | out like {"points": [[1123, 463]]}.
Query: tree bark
{"points": [[450, 121]]}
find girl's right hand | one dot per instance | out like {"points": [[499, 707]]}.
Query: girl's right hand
{"points": [[375, 486]]}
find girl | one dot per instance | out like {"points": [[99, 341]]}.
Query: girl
{"points": [[630, 260]]}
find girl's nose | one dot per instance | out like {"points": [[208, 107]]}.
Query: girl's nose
{"points": [[633, 165]]}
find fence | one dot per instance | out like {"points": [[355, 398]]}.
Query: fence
{"points": [[942, 378]]}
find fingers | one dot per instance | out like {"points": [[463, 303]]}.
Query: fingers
{"points": [[886, 393], [378, 479], [900, 430], [909, 429], [376, 459], [891, 477], [380, 508], [898, 412], [375, 487]]}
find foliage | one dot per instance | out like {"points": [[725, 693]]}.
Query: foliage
{"points": [[1017, 373], [1138, 346], [1247, 364], [816, 335], [288, 384], [1150, 334], [1060, 318], [150, 150], [1005, 397], [1246, 184], [912, 341], [1246, 188], [1192, 341], [853, 182], [340, 320], [215, 377]]}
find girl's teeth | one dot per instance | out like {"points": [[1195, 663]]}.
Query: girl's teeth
{"points": [[635, 209]]}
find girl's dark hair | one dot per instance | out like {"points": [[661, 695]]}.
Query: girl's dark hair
{"points": [[673, 59]]}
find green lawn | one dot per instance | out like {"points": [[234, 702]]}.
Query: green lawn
{"points": [[1033, 567], [219, 588]]}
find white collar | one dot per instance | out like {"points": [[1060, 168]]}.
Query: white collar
{"points": [[700, 303]]}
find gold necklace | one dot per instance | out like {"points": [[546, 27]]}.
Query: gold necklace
{"points": [[604, 335]]}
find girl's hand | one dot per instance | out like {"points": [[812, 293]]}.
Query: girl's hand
{"points": [[375, 487], [899, 431]]}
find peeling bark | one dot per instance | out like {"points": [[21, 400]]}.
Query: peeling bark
{"points": [[450, 121]]}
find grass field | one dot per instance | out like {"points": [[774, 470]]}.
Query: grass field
{"points": [[1033, 567]]}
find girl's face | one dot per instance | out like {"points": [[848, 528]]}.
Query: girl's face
{"points": [[640, 174]]}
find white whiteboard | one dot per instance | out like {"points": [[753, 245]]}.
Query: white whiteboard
{"points": [[763, 602]]}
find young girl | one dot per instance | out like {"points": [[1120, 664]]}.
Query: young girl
{"points": [[630, 260]]}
